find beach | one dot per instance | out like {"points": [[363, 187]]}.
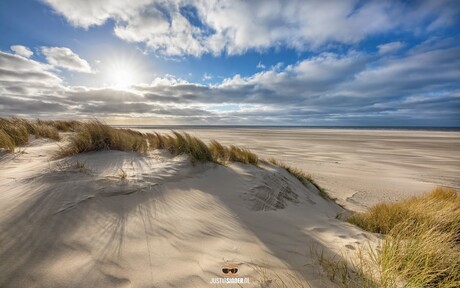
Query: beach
{"points": [[253, 144], [358, 167], [109, 218]]}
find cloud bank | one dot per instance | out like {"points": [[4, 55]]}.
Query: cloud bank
{"points": [[420, 87]]}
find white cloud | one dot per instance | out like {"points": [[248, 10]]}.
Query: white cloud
{"points": [[84, 13], [20, 76], [260, 65], [207, 77], [390, 47], [22, 51], [66, 58], [195, 27], [168, 80]]}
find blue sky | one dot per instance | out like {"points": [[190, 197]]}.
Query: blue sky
{"points": [[344, 62]]}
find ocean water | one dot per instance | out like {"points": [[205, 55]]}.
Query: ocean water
{"points": [[189, 127]]}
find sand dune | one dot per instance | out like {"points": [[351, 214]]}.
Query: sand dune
{"points": [[168, 224], [358, 167]]}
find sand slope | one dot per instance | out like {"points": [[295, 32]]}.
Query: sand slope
{"points": [[168, 224], [358, 167]]}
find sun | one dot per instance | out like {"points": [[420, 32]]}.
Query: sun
{"points": [[122, 77], [121, 73]]}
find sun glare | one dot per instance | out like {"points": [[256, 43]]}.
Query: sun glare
{"points": [[121, 77], [122, 74]]}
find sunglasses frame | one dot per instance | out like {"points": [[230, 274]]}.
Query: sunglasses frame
{"points": [[232, 270]]}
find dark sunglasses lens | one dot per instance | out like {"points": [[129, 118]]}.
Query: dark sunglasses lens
{"points": [[225, 270]]}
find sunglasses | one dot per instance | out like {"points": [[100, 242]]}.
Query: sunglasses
{"points": [[229, 270]]}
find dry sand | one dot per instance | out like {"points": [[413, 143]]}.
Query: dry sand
{"points": [[358, 167], [172, 224], [168, 224]]}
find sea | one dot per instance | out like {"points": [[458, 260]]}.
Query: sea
{"points": [[188, 127]]}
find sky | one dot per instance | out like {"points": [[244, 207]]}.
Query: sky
{"points": [[211, 62]]}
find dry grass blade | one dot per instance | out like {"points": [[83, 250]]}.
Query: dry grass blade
{"points": [[6, 142], [299, 174], [237, 154], [15, 132], [219, 152], [122, 174], [183, 143], [422, 245], [96, 136]]}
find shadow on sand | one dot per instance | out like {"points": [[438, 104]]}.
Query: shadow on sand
{"points": [[60, 203]]}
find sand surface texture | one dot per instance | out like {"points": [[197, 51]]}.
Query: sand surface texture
{"points": [[167, 224], [358, 167]]}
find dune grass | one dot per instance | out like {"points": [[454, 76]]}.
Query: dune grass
{"points": [[183, 143], [6, 142], [223, 154], [46, 131], [96, 136], [422, 243], [62, 125], [440, 208], [15, 132], [299, 174], [237, 154]]}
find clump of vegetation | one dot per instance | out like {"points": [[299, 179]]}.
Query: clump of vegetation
{"points": [[219, 152], [96, 136], [81, 166], [345, 272], [336, 268], [46, 131], [62, 125], [440, 208], [269, 278], [122, 174], [296, 172], [222, 154], [6, 141], [422, 243], [15, 132], [299, 174], [237, 154], [183, 143]]}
